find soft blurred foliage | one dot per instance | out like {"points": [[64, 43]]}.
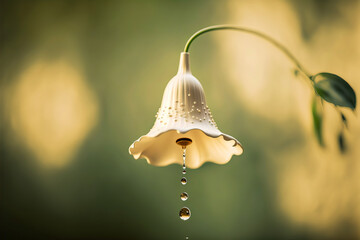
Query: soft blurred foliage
{"points": [[80, 80]]}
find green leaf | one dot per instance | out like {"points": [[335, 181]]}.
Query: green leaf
{"points": [[341, 142], [334, 89], [317, 114]]}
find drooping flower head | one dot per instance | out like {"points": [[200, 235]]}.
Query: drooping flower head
{"points": [[185, 114]]}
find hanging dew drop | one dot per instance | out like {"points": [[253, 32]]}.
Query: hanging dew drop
{"points": [[183, 172], [184, 196], [184, 213], [183, 181]]}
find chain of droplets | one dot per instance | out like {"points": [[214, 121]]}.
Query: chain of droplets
{"points": [[184, 212]]}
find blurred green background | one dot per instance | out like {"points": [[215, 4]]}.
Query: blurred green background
{"points": [[81, 80]]}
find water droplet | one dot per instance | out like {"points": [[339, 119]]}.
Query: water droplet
{"points": [[183, 181], [186, 237], [189, 94], [184, 196], [194, 102], [184, 213], [184, 172]]}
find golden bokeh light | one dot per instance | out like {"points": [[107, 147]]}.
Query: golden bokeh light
{"points": [[262, 75], [317, 188], [52, 110]]}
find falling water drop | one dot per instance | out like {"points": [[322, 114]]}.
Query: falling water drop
{"points": [[183, 181], [184, 157], [184, 196], [184, 213]]}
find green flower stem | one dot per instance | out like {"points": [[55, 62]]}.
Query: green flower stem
{"points": [[246, 30]]}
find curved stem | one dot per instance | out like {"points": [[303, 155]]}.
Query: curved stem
{"points": [[246, 30]]}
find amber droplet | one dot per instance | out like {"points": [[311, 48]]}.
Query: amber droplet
{"points": [[183, 181], [184, 213], [184, 196]]}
